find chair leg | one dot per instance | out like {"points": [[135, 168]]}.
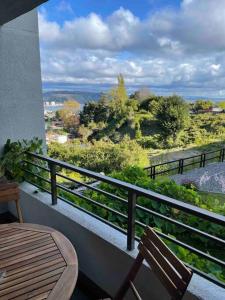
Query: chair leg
{"points": [[19, 213]]}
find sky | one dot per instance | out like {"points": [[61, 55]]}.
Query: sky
{"points": [[169, 46]]}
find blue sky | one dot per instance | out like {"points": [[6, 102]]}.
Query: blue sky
{"points": [[167, 46], [79, 8]]}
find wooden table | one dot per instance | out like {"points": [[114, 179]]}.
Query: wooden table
{"points": [[36, 262]]}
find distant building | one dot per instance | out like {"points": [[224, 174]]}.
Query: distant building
{"points": [[214, 110], [217, 110], [61, 139]]}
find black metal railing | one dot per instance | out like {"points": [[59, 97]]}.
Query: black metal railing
{"points": [[46, 173], [179, 166]]}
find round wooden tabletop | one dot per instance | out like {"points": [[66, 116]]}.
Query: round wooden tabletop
{"points": [[36, 262]]}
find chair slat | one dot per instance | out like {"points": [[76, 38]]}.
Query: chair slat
{"points": [[172, 273], [135, 291], [7, 192], [8, 185], [161, 274], [180, 267], [164, 263]]}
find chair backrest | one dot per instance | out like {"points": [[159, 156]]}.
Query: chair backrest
{"points": [[172, 273]]}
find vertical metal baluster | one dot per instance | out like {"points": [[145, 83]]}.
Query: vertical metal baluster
{"points": [[153, 174], [52, 168], [223, 154], [203, 161], [132, 197], [182, 166]]}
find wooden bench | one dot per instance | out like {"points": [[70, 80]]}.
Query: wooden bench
{"points": [[9, 191]]}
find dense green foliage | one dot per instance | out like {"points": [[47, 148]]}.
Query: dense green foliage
{"points": [[202, 105], [153, 121], [140, 177], [222, 105], [172, 115], [14, 153], [204, 129], [100, 156], [95, 112]]}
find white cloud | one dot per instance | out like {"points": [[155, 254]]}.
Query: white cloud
{"points": [[64, 6], [49, 31], [179, 49]]}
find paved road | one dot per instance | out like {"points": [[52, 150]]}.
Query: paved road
{"points": [[209, 179]]}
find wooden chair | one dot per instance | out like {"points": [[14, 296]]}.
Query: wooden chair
{"points": [[10, 192], [172, 273]]}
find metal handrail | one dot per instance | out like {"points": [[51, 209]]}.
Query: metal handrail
{"points": [[130, 204], [181, 163], [179, 204]]}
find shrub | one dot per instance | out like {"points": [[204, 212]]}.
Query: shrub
{"points": [[140, 177], [149, 142], [14, 153], [101, 156]]}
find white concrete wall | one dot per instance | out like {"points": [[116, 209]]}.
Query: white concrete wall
{"points": [[101, 249], [21, 105]]}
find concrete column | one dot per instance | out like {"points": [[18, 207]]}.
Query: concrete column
{"points": [[21, 104]]}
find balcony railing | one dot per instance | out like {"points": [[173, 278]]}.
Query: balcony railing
{"points": [[179, 166], [127, 215]]}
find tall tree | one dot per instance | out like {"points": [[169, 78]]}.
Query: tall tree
{"points": [[119, 97], [172, 114], [121, 90]]}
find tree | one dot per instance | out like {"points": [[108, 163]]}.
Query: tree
{"points": [[121, 90], [172, 114], [70, 107], [203, 105], [68, 114], [87, 115], [103, 110], [71, 123], [95, 112], [149, 103], [222, 105]]}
